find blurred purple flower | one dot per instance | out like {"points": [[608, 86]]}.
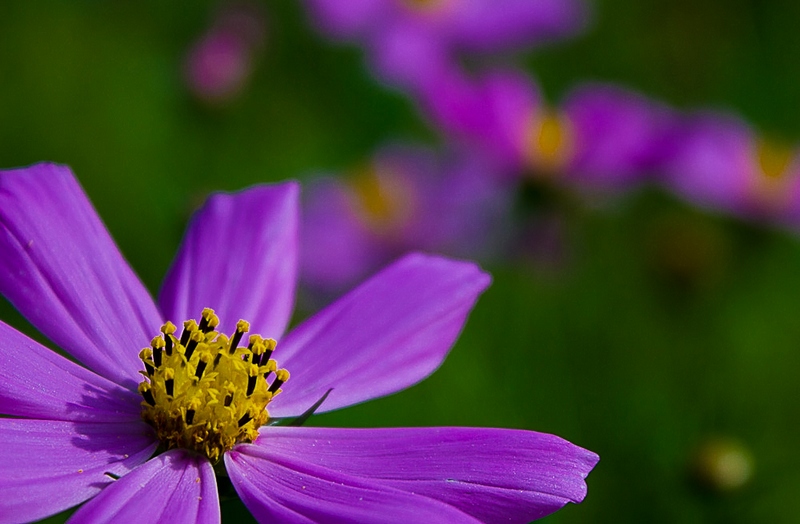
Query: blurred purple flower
{"points": [[220, 63], [406, 198], [602, 136], [70, 432], [408, 40], [720, 163]]}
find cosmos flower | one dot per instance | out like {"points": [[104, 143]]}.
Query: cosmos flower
{"points": [[72, 433], [601, 136], [720, 163], [404, 198], [407, 41]]}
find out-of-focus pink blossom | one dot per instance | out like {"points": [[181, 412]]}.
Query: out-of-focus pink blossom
{"points": [[221, 61]]}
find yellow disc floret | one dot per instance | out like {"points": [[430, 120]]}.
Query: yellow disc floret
{"points": [[205, 393]]}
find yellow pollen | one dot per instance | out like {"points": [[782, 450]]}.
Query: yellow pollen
{"points": [[773, 161], [549, 142], [203, 391], [426, 5], [383, 200], [773, 158]]}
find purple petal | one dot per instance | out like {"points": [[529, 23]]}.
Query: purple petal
{"points": [[620, 136], [408, 56], [60, 268], [494, 475], [714, 161], [38, 383], [49, 466], [387, 334], [492, 113], [338, 249], [498, 25], [239, 257], [287, 489], [175, 487], [347, 19]]}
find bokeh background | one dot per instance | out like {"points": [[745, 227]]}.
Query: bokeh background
{"points": [[651, 332]]}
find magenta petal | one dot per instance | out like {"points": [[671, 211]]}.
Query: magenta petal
{"points": [[337, 247], [38, 383], [387, 334], [495, 475], [61, 269], [497, 25], [176, 487], [291, 490], [239, 257], [49, 466], [347, 19]]}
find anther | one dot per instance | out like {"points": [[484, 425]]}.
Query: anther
{"points": [[146, 393], [194, 405], [281, 376], [196, 337], [242, 327], [247, 417], [209, 322], [168, 330], [189, 327], [169, 381], [201, 366], [271, 366], [251, 379], [145, 355], [268, 350], [231, 389], [158, 345]]}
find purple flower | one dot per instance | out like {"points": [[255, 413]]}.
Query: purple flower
{"points": [[600, 136], [220, 63], [76, 434], [406, 198], [720, 163], [409, 41]]}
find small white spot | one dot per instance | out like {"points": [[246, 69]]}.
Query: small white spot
{"points": [[197, 480], [80, 471]]}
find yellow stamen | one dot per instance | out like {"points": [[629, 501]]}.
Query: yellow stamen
{"points": [[206, 393], [549, 142], [773, 160], [426, 6], [384, 201]]}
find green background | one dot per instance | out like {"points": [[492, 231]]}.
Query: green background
{"points": [[662, 326]]}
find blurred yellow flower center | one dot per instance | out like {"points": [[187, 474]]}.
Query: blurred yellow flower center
{"points": [[424, 5], [773, 162], [773, 158], [205, 393], [549, 141], [383, 202]]}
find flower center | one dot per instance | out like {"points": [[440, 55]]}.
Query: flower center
{"points": [[549, 142], [774, 160], [383, 200], [205, 393], [425, 5]]}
